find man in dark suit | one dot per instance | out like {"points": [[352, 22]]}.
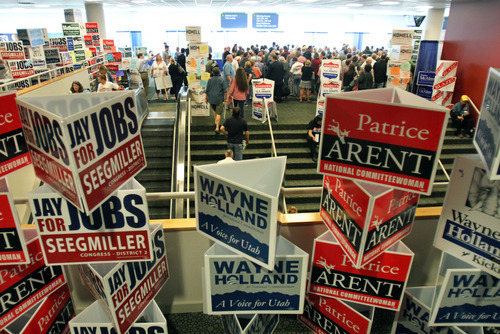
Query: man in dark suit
{"points": [[275, 71]]}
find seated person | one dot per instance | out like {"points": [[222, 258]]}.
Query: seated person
{"points": [[77, 87], [461, 117], [104, 85], [313, 135]]}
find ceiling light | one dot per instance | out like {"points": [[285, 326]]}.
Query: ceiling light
{"points": [[424, 7], [389, 3], [250, 2], [140, 1], [203, 3], [42, 6], [354, 4]]}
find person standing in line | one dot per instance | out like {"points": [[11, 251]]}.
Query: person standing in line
{"points": [[365, 79], [380, 72], [216, 95], [177, 75], [158, 70], [239, 90], [142, 68], [166, 54], [305, 81], [228, 70], [275, 71], [296, 71], [233, 128]]}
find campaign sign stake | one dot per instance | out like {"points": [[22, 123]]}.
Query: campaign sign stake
{"points": [[469, 225], [117, 231], [380, 283], [385, 136], [125, 289], [487, 138], [22, 286], [415, 312], [255, 324], [465, 296], [13, 248], [366, 219], [51, 315], [234, 285], [85, 146], [94, 320], [330, 315], [238, 207]]}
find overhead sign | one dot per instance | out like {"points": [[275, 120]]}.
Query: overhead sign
{"points": [[13, 149], [23, 286], [265, 20], [96, 148], [12, 245], [240, 212], [234, 285], [487, 138], [383, 136], [117, 231], [469, 227], [380, 283], [233, 20], [129, 287]]}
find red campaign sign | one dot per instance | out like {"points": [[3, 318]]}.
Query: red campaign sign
{"points": [[450, 68], [23, 286], [380, 283], [447, 82], [21, 69], [13, 149], [108, 42], [437, 96], [117, 58], [11, 50], [53, 314], [330, 315], [92, 28], [390, 144], [440, 67], [88, 40]]}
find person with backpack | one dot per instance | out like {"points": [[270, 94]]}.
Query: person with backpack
{"points": [[211, 64], [177, 75]]}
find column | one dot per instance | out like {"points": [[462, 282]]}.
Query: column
{"points": [[434, 24], [95, 13]]}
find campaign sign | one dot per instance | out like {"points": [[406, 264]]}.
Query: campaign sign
{"points": [[385, 136], [380, 283], [444, 83], [80, 55], [60, 43], [366, 219], [446, 68], [52, 55], [402, 37], [73, 15], [193, 34], [94, 320], [11, 50], [424, 92], [469, 225], [12, 245], [76, 29], [51, 315], [320, 105], [414, 315], [250, 324], [125, 289], [36, 55], [401, 53], [327, 88], [118, 230], [259, 113], [263, 88], [22, 286], [115, 59], [21, 68], [84, 146], [92, 28], [330, 315], [143, 50], [465, 296], [13, 149], [198, 49], [441, 97], [330, 70], [426, 78], [234, 285], [108, 45], [487, 138], [238, 211]]}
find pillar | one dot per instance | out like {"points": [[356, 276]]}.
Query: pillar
{"points": [[434, 24], [95, 13]]}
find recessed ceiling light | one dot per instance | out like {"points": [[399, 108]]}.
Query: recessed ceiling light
{"points": [[424, 7], [389, 3], [250, 2], [354, 4], [42, 6]]}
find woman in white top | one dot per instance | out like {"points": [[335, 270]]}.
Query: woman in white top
{"points": [[158, 70]]}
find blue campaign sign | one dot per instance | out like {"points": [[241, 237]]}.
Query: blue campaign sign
{"points": [[36, 37], [71, 43], [233, 20], [425, 91], [426, 78], [265, 20]]}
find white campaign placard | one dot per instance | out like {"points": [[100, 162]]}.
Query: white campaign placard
{"points": [[263, 88], [240, 211], [193, 33], [330, 70], [163, 82]]}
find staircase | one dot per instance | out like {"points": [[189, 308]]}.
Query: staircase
{"points": [[157, 137], [207, 147]]}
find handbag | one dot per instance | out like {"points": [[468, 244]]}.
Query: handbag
{"points": [[180, 69]]}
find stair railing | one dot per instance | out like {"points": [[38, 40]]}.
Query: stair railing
{"points": [[270, 127]]}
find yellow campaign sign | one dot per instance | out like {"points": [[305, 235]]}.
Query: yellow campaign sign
{"points": [[191, 78], [204, 48], [205, 76]]}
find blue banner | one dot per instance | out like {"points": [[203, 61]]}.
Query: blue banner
{"points": [[265, 21]]}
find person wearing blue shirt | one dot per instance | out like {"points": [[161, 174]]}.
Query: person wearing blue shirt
{"points": [[216, 95], [228, 70]]}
